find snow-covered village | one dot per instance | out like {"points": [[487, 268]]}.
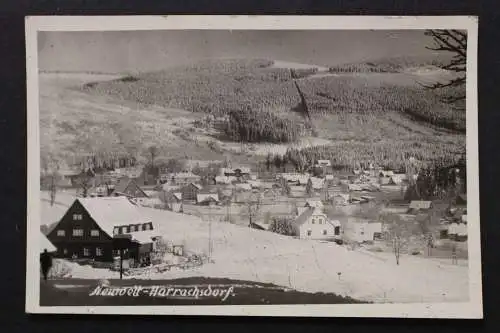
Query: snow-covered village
{"points": [[193, 173]]}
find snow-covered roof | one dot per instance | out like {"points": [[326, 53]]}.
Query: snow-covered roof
{"points": [[69, 172], [123, 184], [243, 186], [198, 186], [242, 169], [144, 237], [324, 162], [254, 183], [386, 173], [355, 187], [183, 175], [225, 179], [45, 244], [314, 203], [344, 196], [167, 187], [317, 183], [202, 197], [109, 212]]}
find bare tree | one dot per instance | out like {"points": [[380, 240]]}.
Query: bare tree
{"points": [[454, 42], [50, 168], [252, 205], [84, 182], [285, 188], [397, 233]]}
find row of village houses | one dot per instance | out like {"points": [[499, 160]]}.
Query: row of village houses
{"points": [[69, 177]]}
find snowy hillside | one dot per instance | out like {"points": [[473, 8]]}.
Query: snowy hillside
{"points": [[312, 266]]}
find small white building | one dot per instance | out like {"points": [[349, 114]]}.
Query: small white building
{"points": [[312, 223], [386, 173], [175, 202], [323, 163], [208, 199], [341, 199]]}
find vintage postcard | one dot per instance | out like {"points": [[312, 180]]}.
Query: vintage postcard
{"points": [[301, 166]]}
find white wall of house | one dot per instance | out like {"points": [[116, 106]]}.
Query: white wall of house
{"points": [[175, 206], [317, 227], [362, 231]]}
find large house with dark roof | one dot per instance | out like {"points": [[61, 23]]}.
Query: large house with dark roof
{"points": [[87, 228]]}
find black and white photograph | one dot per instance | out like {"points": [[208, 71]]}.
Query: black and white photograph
{"points": [[261, 166]]}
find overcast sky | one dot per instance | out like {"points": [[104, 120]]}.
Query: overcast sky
{"points": [[131, 51]]}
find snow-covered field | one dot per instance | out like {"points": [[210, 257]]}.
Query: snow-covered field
{"points": [[247, 254]]}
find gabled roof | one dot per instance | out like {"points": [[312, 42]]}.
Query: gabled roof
{"points": [[300, 210], [225, 179], [45, 244], [419, 204], [302, 218], [109, 212], [122, 185], [314, 203], [183, 175], [317, 182], [144, 237], [243, 186], [203, 197], [386, 173], [177, 195], [198, 186]]}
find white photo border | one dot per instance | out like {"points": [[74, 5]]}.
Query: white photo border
{"points": [[466, 310]]}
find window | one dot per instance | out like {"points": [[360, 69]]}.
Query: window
{"points": [[144, 227], [309, 232], [77, 217], [324, 232], [94, 233], [78, 232], [313, 221], [124, 230], [337, 231], [86, 252], [133, 228], [116, 230], [61, 233], [320, 221], [98, 252]]}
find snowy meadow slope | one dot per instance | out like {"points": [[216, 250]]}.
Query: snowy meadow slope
{"points": [[252, 255]]}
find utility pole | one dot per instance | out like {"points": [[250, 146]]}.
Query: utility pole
{"points": [[209, 232], [121, 264]]}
